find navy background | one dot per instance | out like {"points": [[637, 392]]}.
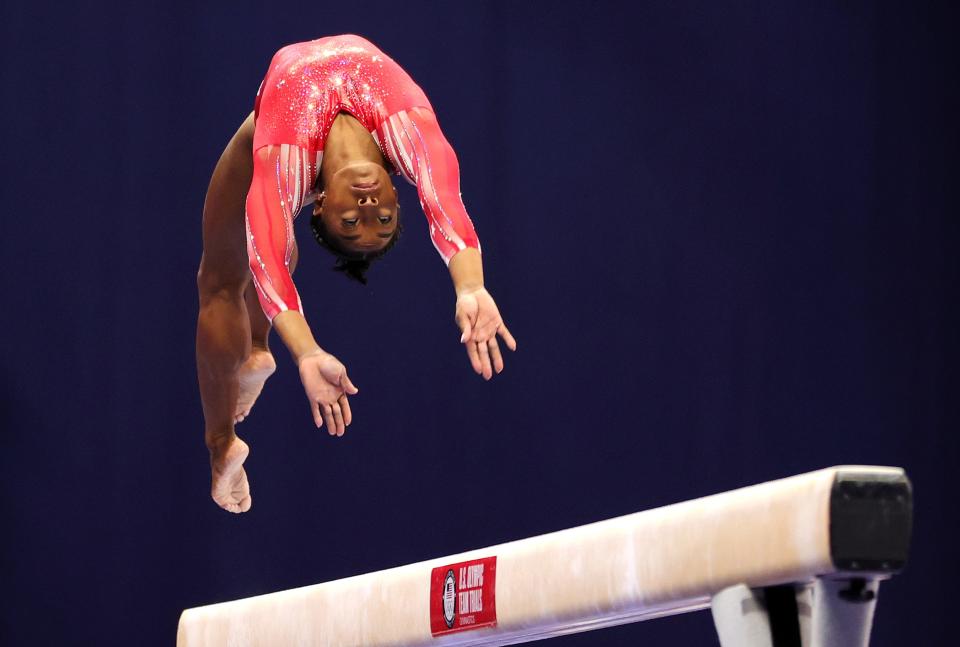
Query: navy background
{"points": [[724, 237]]}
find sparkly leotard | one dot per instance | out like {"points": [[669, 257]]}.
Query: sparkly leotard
{"points": [[306, 87]]}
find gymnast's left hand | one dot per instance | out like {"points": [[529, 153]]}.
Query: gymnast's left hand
{"points": [[327, 386], [480, 324]]}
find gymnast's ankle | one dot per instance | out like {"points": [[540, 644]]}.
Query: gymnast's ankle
{"points": [[219, 441]]}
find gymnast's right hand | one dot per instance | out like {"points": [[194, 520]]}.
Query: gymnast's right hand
{"points": [[327, 386]]}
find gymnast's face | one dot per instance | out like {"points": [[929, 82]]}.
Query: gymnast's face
{"points": [[359, 208]]}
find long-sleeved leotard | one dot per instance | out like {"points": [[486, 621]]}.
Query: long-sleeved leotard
{"points": [[305, 88]]}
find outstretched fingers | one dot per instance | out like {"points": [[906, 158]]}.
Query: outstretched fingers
{"points": [[336, 415], [329, 418], [474, 356], [484, 353], [507, 337], [485, 356], [348, 386], [496, 358], [345, 407]]}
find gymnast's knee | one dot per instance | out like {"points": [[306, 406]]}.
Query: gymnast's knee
{"points": [[221, 284]]}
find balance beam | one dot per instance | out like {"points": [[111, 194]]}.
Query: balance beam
{"points": [[815, 545]]}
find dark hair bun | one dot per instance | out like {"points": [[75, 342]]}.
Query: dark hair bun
{"points": [[353, 269]]}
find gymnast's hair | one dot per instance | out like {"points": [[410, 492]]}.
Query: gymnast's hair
{"points": [[353, 264]]}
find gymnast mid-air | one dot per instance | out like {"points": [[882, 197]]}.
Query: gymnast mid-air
{"points": [[333, 120]]}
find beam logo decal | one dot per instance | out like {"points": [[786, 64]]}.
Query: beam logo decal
{"points": [[463, 596]]}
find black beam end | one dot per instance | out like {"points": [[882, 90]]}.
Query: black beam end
{"points": [[871, 519]]}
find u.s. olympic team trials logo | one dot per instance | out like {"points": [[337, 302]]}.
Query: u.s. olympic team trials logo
{"points": [[463, 596], [449, 598]]}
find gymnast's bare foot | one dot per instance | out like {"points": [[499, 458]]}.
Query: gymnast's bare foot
{"points": [[230, 488], [253, 374]]}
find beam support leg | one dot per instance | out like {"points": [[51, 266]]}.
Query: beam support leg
{"points": [[843, 611], [825, 613], [775, 616]]}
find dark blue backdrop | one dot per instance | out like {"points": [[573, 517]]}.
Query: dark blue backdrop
{"points": [[724, 237]]}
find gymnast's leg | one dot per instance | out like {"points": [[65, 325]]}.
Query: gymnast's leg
{"points": [[223, 325], [260, 364]]}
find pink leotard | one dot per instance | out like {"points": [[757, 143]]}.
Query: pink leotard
{"points": [[305, 88]]}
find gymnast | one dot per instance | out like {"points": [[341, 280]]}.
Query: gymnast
{"points": [[333, 120]]}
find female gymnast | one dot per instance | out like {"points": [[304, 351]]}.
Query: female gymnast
{"points": [[333, 119]]}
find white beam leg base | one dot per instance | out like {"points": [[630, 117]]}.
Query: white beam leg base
{"points": [[843, 611], [828, 612], [777, 616]]}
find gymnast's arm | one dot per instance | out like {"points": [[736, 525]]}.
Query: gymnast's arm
{"points": [[280, 180], [420, 151]]}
